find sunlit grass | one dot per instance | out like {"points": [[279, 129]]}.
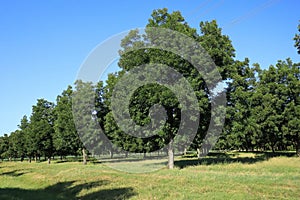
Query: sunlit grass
{"points": [[273, 178]]}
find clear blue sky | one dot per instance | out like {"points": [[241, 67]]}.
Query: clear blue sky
{"points": [[43, 43]]}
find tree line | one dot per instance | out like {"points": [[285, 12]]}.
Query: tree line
{"points": [[262, 111]]}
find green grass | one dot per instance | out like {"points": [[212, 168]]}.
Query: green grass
{"points": [[227, 176]]}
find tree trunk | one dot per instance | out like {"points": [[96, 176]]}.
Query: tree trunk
{"points": [[184, 152], [198, 153], [273, 149], [145, 155], [205, 149], [298, 148], [111, 153], [170, 155], [84, 156], [49, 160]]}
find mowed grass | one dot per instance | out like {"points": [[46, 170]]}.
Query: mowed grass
{"points": [[243, 176]]}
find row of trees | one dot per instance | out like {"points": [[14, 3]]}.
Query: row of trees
{"points": [[49, 131], [262, 113]]}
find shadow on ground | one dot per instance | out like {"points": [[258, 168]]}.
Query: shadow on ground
{"points": [[14, 173], [67, 190], [116, 160], [224, 158]]}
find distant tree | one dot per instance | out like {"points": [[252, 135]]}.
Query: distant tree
{"points": [[102, 103], [4, 147], [279, 108], [289, 79], [17, 144], [84, 112], [222, 52], [110, 127], [40, 137], [297, 39], [22, 147], [8, 146], [65, 139], [241, 128]]}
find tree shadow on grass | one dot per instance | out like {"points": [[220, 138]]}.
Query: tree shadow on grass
{"points": [[67, 191], [62, 161], [224, 158], [116, 160], [14, 173], [221, 158]]}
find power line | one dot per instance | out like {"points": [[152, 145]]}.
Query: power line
{"points": [[251, 13]]}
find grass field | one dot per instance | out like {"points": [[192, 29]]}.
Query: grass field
{"points": [[227, 176]]}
